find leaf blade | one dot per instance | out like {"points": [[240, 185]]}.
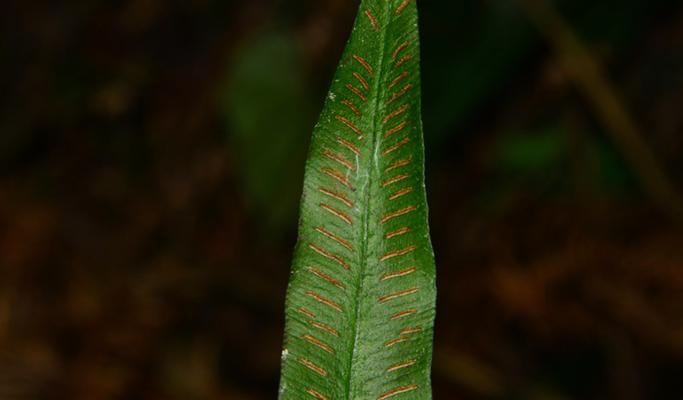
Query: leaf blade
{"points": [[364, 266]]}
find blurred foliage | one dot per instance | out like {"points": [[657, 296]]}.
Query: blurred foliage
{"points": [[528, 153], [269, 112], [150, 168], [486, 42]]}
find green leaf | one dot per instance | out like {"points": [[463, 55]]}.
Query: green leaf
{"points": [[531, 153], [253, 90], [360, 303]]}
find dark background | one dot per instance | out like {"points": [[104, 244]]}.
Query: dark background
{"points": [[151, 160]]}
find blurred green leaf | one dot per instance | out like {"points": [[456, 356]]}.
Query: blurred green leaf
{"points": [[269, 113], [527, 153]]}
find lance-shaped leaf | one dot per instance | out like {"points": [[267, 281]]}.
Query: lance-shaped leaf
{"points": [[360, 303]]}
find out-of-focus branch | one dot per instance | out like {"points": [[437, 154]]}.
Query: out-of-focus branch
{"points": [[588, 76], [469, 372]]}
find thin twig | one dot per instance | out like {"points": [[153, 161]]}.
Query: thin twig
{"points": [[588, 76]]}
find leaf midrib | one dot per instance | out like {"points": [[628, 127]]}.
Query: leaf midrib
{"points": [[376, 121]]}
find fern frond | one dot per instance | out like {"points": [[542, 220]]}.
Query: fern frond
{"points": [[360, 303]]}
